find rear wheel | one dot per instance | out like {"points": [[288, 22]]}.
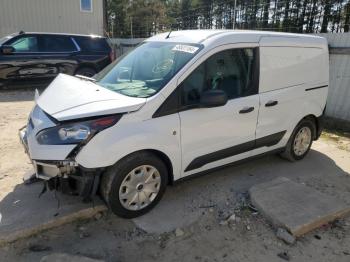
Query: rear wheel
{"points": [[86, 71], [134, 185], [300, 141]]}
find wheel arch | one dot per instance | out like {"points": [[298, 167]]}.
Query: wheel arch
{"points": [[317, 122], [162, 156]]}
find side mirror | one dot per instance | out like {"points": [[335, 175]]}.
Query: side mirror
{"points": [[213, 98], [7, 49]]}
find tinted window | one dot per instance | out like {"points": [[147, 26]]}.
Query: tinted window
{"points": [[92, 44], [52, 43], [231, 71], [26, 44]]}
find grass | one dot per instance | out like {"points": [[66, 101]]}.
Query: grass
{"points": [[341, 139]]}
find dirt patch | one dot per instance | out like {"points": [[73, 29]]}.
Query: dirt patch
{"points": [[15, 107], [341, 139]]}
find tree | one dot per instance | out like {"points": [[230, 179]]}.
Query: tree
{"points": [[143, 18]]}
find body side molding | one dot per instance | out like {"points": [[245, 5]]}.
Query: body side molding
{"points": [[269, 140], [317, 87]]}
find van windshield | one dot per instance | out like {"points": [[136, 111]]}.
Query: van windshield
{"points": [[147, 69]]}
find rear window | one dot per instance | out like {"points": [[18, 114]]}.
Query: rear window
{"points": [[93, 44]]}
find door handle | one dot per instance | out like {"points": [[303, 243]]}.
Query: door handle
{"points": [[246, 109], [271, 103]]}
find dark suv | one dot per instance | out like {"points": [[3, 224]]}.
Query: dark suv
{"points": [[36, 58]]}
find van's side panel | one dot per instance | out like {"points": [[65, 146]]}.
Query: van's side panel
{"points": [[287, 75], [283, 67]]}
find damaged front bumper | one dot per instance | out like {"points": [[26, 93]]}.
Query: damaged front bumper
{"points": [[51, 169], [63, 175]]}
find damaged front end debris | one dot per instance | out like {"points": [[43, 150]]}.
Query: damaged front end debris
{"points": [[68, 177]]}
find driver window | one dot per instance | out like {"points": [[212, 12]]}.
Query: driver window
{"points": [[231, 71], [26, 44]]}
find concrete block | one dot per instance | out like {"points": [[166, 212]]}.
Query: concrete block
{"points": [[295, 207], [62, 257], [23, 213]]}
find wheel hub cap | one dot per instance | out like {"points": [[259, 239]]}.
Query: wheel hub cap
{"points": [[140, 187], [302, 141]]}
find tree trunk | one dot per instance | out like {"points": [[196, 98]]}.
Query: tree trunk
{"points": [[326, 16], [265, 23], [285, 23], [302, 17], [347, 17]]}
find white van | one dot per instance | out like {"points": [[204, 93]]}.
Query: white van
{"points": [[181, 103]]}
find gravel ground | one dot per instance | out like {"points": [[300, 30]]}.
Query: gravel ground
{"points": [[248, 237]]}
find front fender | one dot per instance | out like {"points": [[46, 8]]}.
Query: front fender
{"points": [[130, 135]]}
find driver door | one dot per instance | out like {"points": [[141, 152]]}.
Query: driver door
{"points": [[216, 136], [23, 65]]}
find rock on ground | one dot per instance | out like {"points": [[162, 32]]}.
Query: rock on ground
{"points": [[282, 234]]}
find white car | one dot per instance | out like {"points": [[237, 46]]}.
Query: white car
{"points": [[181, 103]]}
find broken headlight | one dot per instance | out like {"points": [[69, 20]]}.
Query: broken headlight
{"points": [[75, 132]]}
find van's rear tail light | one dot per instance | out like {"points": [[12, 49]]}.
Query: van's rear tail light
{"points": [[76, 132]]}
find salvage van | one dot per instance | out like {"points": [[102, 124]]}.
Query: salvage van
{"points": [[181, 103]]}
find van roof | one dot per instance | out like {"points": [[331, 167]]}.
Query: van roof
{"points": [[200, 36]]}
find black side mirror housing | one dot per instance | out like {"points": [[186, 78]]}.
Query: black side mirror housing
{"points": [[7, 49], [213, 98]]}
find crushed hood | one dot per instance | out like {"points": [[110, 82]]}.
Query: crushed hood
{"points": [[69, 97]]}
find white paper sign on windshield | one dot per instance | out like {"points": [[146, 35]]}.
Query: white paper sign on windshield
{"points": [[185, 48]]}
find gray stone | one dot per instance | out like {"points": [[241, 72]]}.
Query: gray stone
{"points": [[232, 218], [223, 223], [282, 234], [179, 232], [98, 216], [296, 207], [62, 257]]}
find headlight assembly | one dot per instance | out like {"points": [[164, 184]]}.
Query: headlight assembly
{"points": [[70, 132]]}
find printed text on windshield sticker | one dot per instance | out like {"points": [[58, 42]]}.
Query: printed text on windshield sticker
{"points": [[185, 48]]}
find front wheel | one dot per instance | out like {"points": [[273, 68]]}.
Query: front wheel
{"points": [[300, 141], [134, 185]]}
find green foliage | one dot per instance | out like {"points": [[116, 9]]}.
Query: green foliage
{"points": [[143, 18]]}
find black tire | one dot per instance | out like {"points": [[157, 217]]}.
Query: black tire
{"points": [[289, 153], [113, 177], [86, 71]]}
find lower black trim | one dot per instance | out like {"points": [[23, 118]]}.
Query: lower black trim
{"points": [[317, 87], [269, 140], [274, 151]]}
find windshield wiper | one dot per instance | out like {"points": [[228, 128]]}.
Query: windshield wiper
{"points": [[86, 78]]}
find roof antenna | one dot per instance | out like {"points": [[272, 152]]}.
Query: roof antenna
{"points": [[168, 34]]}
